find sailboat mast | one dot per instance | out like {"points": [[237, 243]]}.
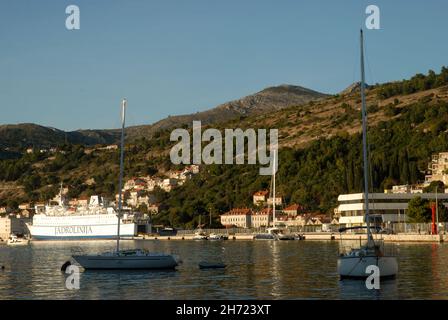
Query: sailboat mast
{"points": [[364, 141], [60, 196], [273, 192], [120, 181]]}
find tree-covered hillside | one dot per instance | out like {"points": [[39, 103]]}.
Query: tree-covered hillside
{"points": [[405, 130]]}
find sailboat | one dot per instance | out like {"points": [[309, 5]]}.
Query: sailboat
{"points": [[200, 234], [353, 264], [125, 259], [272, 232]]}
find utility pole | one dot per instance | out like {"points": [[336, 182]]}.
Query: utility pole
{"points": [[437, 210], [210, 211]]}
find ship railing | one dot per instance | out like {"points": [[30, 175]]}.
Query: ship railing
{"points": [[389, 249]]}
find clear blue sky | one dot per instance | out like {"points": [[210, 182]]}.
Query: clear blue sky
{"points": [[174, 57]]}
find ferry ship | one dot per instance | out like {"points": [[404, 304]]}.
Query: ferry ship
{"points": [[94, 221]]}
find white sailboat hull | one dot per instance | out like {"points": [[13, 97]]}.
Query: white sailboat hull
{"points": [[157, 262], [355, 267]]}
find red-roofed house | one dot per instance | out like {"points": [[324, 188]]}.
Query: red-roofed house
{"points": [[260, 197], [239, 217], [293, 210], [262, 218]]}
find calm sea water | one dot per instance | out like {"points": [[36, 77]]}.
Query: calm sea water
{"points": [[255, 270]]}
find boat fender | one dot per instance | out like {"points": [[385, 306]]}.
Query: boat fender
{"points": [[169, 238], [65, 266], [183, 238], [3, 267], [234, 238]]}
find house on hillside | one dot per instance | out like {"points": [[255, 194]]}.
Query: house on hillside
{"points": [[260, 197], [293, 210], [278, 201]]}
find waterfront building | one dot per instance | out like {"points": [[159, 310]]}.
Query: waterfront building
{"points": [[319, 219], [293, 210], [240, 218], [12, 224], [384, 207], [284, 220], [262, 218]]}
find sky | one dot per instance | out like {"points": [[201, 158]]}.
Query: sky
{"points": [[175, 57]]}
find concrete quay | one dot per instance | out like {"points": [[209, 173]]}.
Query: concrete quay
{"points": [[324, 236]]}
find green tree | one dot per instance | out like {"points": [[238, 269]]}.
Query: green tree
{"points": [[439, 185], [418, 210]]}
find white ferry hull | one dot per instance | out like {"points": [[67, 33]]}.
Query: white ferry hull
{"points": [[92, 262], [355, 267], [66, 231]]}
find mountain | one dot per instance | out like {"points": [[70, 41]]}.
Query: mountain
{"points": [[354, 87], [268, 100], [320, 154], [17, 136]]}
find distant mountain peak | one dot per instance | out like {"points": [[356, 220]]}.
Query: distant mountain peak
{"points": [[356, 86], [267, 100], [289, 88]]}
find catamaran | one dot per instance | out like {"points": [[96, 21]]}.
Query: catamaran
{"points": [[354, 263], [125, 259]]}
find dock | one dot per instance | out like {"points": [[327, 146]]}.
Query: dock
{"points": [[319, 236]]}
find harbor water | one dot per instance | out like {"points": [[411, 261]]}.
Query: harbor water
{"points": [[255, 270]]}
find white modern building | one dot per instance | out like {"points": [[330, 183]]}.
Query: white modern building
{"points": [[384, 207]]}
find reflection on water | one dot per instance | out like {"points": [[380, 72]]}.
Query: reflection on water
{"points": [[255, 270]]}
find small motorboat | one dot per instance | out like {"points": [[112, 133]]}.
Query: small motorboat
{"points": [[283, 236], [299, 237], [264, 236], [13, 240], [274, 233], [214, 236], [200, 235], [211, 265]]}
